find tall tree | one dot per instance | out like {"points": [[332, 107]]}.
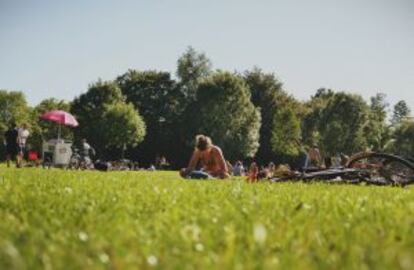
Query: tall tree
{"points": [[379, 106], [223, 110], [404, 139], [102, 100], [341, 124], [285, 134], [401, 111], [312, 116], [268, 96], [376, 129], [159, 101], [192, 66], [13, 108]]}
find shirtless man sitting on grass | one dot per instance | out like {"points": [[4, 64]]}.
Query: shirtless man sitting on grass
{"points": [[211, 159]]}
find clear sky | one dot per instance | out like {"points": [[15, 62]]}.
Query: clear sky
{"points": [[56, 48]]}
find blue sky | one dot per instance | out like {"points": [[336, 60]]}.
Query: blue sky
{"points": [[56, 48]]}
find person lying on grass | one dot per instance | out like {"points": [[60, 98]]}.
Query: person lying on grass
{"points": [[211, 159]]}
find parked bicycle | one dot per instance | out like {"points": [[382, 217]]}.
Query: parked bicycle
{"points": [[79, 161], [368, 167]]}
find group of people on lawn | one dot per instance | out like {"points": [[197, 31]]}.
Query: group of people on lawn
{"points": [[207, 161], [15, 139]]}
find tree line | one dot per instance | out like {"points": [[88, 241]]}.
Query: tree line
{"points": [[144, 114]]}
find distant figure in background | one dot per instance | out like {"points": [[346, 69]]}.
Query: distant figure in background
{"points": [[33, 156], [328, 162], [263, 173], [10, 141], [315, 159], [211, 159], [23, 134], [163, 163], [238, 169], [344, 159], [272, 168], [86, 152], [252, 175], [303, 158]]}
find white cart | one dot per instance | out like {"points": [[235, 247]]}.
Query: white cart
{"points": [[57, 152]]}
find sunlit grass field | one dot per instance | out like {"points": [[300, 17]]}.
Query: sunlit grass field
{"points": [[55, 219]]}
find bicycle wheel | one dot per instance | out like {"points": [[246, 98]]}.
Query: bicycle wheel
{"points": [[386, 168]]}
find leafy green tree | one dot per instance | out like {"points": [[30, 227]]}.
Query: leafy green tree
{"points": [[45, 130], [192, 66], [401, 111], [123, 126], [160, 103], [223, 111], [286, 133], [13, 108], [91, 107], [341, 124], [323, 93], [379, 106], [312, 116], [268, 96], [376, 129], [404, 139]]}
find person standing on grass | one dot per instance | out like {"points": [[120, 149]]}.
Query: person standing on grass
{"points": [[315, 158], [23, 134], [86, 151], [10, 141], [211, 159]]}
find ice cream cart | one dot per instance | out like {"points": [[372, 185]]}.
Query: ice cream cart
{"points": [[57, 152]]}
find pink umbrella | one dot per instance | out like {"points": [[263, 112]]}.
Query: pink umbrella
{"points": [[60, 117]]}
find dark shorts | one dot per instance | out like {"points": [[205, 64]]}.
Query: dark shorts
{"points": [[12, 149]]}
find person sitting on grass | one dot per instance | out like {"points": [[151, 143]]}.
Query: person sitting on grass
{"points": [[33, 157], [252, 174], [263, 173], [211, 159], [315, 159], [271, 168], [238, 169]]}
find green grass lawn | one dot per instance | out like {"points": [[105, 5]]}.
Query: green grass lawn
{"points": [[55, 219]]}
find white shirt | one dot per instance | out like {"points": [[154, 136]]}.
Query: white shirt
{"points": [[23, 134]]}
